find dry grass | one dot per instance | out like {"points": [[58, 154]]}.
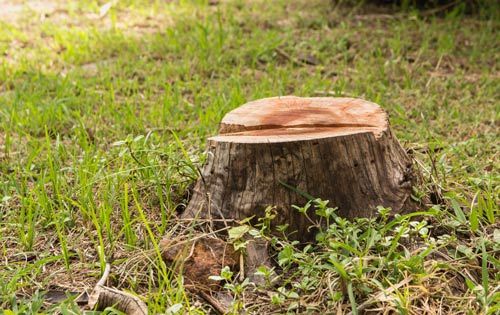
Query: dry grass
{"points": [[90, 171]]}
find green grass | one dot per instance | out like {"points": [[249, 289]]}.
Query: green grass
{"points": [[103, 123]]}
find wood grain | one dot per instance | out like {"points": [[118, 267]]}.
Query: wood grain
{"points": [[337, 149]]}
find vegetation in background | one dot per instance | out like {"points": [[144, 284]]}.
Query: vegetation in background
{"points": [[105, 107]]}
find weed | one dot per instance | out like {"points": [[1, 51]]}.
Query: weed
{"points": [[103, 121]]}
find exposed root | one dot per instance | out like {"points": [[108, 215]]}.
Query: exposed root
{"points": [[103, 297]]}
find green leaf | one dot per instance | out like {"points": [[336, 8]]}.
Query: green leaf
{"points": [[262, 271], [293, 295], [298, 191], [474, 218], [226, 273], [467, 251], [347, 247], [237, 232], [484, 270], [470, 284], [277, 299], [352, 299], [285, 255], [174, 309], [486, 206], [240, 245], [339, 268], [458, 211], [495, 309]]}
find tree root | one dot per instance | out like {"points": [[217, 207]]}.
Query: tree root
{"points": [[103, 297]]}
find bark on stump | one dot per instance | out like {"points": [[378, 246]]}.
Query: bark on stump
{"points": [[336, 149]]}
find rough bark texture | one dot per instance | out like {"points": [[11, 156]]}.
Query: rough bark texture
{"points": [[336, 149]]}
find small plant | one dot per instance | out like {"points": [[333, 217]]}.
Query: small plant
{"points": [[362, 257], [103, 122], [234, 287]]}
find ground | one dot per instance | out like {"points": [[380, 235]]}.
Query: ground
{"points": [[105, 107]]}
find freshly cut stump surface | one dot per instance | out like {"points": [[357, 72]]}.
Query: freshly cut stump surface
{"points": [[336, 149]]}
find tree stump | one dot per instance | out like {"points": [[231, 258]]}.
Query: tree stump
{"points": [[270, 150]]}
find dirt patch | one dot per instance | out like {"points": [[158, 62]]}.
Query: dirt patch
{"points": [[10, 11], [200, 259]]}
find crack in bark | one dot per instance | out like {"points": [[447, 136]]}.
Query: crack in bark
{"points": [[236, 130]]}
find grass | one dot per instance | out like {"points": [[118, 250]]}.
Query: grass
{"points": [[102, 128]]}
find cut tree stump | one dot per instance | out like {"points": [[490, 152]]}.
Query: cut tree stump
{"points": [[271, 151]]}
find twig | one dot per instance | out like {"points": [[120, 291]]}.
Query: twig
{"points": [[105, 275], [242, 267], [370, 17], [218, 307], [435, 70], [380, 295], [133, 155], [439, 9], [296, 61]]}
